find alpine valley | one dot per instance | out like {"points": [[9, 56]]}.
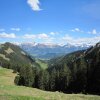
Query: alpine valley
{"points": [[75, 72], [48, 51]]}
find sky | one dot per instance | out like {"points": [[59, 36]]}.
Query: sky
{"points": [[50, 21]]}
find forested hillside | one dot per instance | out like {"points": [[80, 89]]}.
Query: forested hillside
{"points": [[73, 73], [13, 57], [77, 72]]}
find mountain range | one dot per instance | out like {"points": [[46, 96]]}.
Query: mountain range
{"points": [[48, 51]]}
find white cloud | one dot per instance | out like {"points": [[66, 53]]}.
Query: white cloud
{"points": [[29, 36], [67, 37], [89, 40], [6, 35], [34, 4], [15, 29], [53, 33], [42, 36], [94, 31], [63, 39], [37, 36], [76, 30]]}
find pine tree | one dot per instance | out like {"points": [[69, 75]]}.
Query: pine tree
{"points": [[46, 79], [53, 80], [29, 77], [41, 81], [65, 77]]}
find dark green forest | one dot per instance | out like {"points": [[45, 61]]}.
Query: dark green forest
{"points": [[77, 72]]}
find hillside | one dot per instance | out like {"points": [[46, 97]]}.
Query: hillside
{"points": [[12, 56], [65, 59], [9, 91], [80, 70]]}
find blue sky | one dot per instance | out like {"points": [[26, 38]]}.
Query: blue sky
{"points": [[50, 21]]}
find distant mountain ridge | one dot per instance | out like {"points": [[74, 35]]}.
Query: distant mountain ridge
{"points": [[48, 51]]}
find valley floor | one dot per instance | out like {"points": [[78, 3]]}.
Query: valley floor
{"points": [[9, 91]]}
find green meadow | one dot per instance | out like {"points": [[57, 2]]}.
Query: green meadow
{"points": [[9, 91]]}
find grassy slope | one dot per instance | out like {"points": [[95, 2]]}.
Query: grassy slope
{"points": [[43, 64], [8, 91]]}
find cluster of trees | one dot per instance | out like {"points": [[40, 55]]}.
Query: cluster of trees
{"points": [[55, 80], [73, 74]]}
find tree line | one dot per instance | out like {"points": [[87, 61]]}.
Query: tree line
{"points": [[73, 79]]}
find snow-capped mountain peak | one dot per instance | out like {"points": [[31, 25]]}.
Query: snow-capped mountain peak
{"points": [[49, 50]]}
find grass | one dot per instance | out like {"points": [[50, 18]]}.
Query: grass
{"points": [[42, 63], [9, 97], [9, 91]]}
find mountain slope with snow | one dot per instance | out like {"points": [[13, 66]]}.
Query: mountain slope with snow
{"points": [[48, 51]]}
